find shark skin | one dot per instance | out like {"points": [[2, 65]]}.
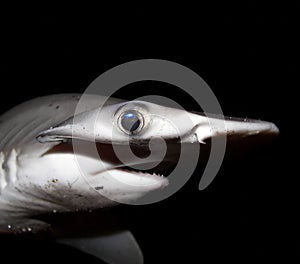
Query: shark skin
{"points": [[39, 173]]}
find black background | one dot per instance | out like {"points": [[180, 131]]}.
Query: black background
{"points": [[247, 53]]}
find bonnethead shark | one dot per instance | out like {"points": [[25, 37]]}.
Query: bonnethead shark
{"points": [[39, 173]]}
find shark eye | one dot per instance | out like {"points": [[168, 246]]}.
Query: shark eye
{"points": [[131, 122]]}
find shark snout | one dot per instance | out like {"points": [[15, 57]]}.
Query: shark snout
{"points": [[208, 126]]}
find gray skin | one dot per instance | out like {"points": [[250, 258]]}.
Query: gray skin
{"points": [[40, 173]]}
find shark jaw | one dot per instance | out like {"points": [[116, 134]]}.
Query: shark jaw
{"points": [[126, 181], [138, 171], [98, 165], [138, 179]]}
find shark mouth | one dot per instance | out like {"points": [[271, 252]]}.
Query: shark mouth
{"points": [[138, 175], [157, 169], [135, 171]]}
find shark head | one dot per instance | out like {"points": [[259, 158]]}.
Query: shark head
{"points": [[58, 158], [116, 146]]}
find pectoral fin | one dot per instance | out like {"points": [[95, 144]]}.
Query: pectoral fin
{"points": [[116, 247]]}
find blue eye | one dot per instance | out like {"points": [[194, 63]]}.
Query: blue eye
{"points": [[131, 122], [129, 115]]}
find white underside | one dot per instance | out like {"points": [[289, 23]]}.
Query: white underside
{"points": [[63, 182]]}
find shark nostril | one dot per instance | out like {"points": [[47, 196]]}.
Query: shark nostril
{"points": [[131, 122]]}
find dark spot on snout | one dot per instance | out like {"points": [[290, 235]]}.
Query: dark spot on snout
{"points": [[50, 105], [97, 188], [57, 107]]}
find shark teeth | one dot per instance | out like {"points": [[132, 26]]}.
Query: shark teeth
{"points": [[157, 174], [143, 173]]}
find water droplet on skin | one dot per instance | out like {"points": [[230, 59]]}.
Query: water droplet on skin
{"points": [[54, 211], [9, 226], [23, 229], [90, 211], [29, 229]]}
